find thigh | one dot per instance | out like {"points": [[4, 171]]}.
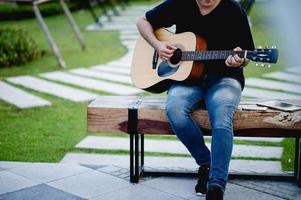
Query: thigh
{"points": [[184, 97], [222, 99]]}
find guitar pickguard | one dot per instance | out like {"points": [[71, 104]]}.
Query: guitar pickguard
{"points": [[164, 69]]}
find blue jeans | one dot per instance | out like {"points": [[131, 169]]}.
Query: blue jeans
{"points": [[221, 96]]}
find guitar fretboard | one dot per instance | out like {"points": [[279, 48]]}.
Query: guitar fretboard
{"points": [[209, 55]]}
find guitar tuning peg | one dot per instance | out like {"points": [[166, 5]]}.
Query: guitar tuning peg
{"points": [[267, 47], [273, 47], [259, 47], [269, 66], [256, 64], [262, 65]]}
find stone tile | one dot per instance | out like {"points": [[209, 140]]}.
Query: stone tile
{"points": [[117, 26], [169, 146], [94, 167], [275, 85], [295, 70], [20, 98], [39, 192], [245, 166], [178, 186], [91, 83], [10, 182], [102, 75], [267, 94], [91, 184], [10, 164], [284, 76], [112, 69], [129, 37], [259, 139], [109, 169], [235, 192], [51, 88], [45, 172], [281, 189], [137, 192]]}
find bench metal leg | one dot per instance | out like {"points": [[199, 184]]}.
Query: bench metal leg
{"points": [[297, 171], [134, 145]]}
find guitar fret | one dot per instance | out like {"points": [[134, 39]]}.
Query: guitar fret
{"points": [[209, 55]]}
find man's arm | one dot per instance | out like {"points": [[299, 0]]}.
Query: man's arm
{"points": [[165, 49]]}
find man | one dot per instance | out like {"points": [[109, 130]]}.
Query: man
{"points": [[224, 25]]}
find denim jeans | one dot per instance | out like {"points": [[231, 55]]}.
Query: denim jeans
{"points": [[221, 96]]}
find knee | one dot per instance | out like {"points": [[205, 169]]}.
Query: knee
{"points": [[222, 118]]}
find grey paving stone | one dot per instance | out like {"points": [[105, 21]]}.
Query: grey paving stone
{"points": [[259, 139], [275, 85], [178, 186], [20, 98], [241, 166], [284, 76], [45, 172], [235, 192], [94, 167], [10, 182], [281, 189], [112, 69], [128, 37], [109, 169], [129, 32], [295, 70], [39, 192], [267, 94], [137, 192], [170, 146], [55, 89], [91, 184], [91, 83], [102, 75], [10, 164], [118, 26]]}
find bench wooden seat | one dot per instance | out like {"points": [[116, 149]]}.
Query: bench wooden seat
{"points": [[146, 115]]}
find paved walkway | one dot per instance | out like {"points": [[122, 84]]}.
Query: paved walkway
{"points": [[48, 181]]}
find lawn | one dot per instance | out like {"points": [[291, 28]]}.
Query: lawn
{"points": [[46, 134]]}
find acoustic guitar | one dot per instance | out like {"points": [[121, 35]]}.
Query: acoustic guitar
{"points": [[150, 73]]}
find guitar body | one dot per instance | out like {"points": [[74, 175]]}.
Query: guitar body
{"points": [[150, 73]]}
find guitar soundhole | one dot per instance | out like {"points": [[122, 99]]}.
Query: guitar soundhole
{"points": [[176, 58]]}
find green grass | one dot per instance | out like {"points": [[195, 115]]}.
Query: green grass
{"points": [[46, 134], [101, 46]]}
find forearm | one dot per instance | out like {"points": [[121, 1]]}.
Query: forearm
{"points": [[147, 32]]}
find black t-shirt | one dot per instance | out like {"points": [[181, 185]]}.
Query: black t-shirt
{"points": [[224, 28]]}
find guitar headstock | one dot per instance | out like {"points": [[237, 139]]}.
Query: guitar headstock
{"points": [[263, 55]]}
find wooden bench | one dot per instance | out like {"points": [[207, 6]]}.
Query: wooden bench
{"points": [[146, 115]]}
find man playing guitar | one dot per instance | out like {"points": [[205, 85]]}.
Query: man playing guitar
{"points": [[224, 25]]}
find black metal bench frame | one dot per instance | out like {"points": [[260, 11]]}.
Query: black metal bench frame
{"points": [[137, 157]]}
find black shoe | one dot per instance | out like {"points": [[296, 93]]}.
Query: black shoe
{"points": [[203, 177], [215, 194]]}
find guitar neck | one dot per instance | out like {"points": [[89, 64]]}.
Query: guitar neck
{"points": [[210, 55]]}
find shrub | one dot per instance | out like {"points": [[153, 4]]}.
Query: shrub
{"points": [[16, 47]]}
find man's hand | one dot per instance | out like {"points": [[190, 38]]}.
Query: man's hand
{"points": [[165, 49], [235, 61]]}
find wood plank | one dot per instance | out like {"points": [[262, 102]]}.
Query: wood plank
{"points": [[105, 116]]}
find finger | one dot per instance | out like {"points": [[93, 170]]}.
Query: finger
{"points": [[171, 47], [233, 62], [228, 61], [238, 59], [237, 49], [166, 55]]}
